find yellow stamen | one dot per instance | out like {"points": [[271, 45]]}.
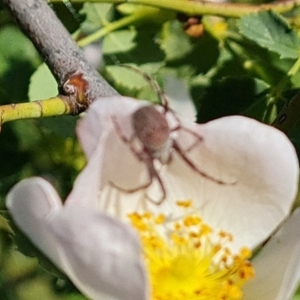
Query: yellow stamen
{"points": [[184, 203], [187, 260]]}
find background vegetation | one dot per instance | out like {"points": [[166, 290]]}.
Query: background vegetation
{"points": [[247, 64]]}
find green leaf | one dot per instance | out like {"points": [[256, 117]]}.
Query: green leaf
{"points": [[42, 84], [271, 31], [15, 46], [132, 84], [297, 295], [231, 96], [4, 225], [97, 15], [68, 14], [129, 79], [75, 297], [174, 41], [63, 126], [119, 41], [18, 59]]}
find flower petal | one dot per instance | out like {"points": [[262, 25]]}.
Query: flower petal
{"points": [[98, 120], [277, 266], [256, 162], [87, 185], [102, 256], [30, 203], [96, 131], [261, 163], [179, 98], [104, 147], [99, 254]]}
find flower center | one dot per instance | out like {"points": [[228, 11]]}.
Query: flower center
{"points": [[186, 259]]}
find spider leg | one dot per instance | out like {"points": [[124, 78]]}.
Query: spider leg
{"points": [[155, 86], [130, 191], [195, 168], [119, 131], [152, 174], [198, 137], [143, 156], [129, 141]]}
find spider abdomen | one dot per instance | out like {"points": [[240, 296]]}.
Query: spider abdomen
{"points": [[152, 129]]}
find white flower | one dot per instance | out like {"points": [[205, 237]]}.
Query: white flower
{"points": [[98, 253], [101, 254]]}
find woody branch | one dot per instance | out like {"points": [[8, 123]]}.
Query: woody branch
{"points": [[79, 83]]}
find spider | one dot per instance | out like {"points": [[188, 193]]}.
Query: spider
{"points": [[151, 128]]}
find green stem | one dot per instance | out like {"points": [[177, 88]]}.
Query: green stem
{"points": [[295, 68], [143, 14], [206, 8], [109, 28], [281, 85], [35, 109], [289, 115]]}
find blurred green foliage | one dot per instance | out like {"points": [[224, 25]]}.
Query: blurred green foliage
{"points": [[46, 148], [229, 69]]}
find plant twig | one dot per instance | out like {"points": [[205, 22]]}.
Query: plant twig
{"points": [[76, 77], [42, 108], [128, 20], [199, 7]]}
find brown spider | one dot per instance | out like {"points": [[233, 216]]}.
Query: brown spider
{"points": [[151, 128]]}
